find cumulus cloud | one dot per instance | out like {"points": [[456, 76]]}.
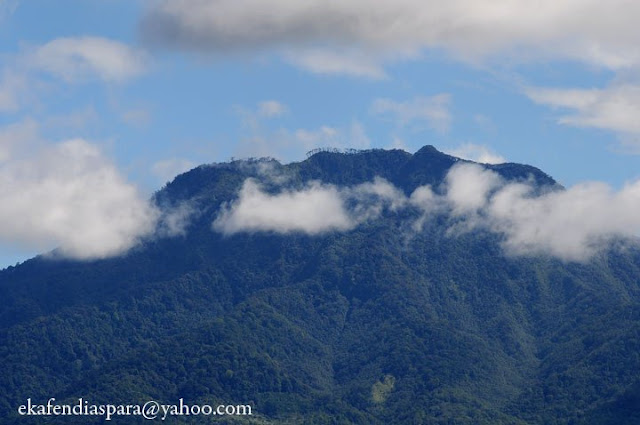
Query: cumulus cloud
{"points": [[79, 58], [476, 153], [572, 224], [599, 33], [433, 110], [67, 195]]}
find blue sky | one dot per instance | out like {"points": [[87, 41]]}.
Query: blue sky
{"points": [[129, 93]]}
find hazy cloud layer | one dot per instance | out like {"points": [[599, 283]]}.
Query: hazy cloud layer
{"points": [[79, 58], [271, 108], [67, 195], [572, 225], [27, 75], [287, 144], [599, 33]]}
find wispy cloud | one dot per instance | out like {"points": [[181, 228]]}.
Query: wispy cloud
{"points": [[62, 61], [80, 58], [433, 110], [284, 143], [476, 153], [13, 88], [272, 108], [616, 107], [326, 61]]}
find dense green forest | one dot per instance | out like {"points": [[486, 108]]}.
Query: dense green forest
{"points": [[364, 326]]}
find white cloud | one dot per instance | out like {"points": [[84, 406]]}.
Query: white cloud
{"points": [[367, 201], [434, 110], [17, 139], [469, 188], [594, 32], [80, 58], [476, 153], [285, 144], [325, 61], [572, 224], [167, 169], [67, 195], [271, 108], [616, 107], [315, 209], [173, 221], [25, 76]]}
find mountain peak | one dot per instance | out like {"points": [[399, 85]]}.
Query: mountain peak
{"points": [[366, 324], [427, 166]]}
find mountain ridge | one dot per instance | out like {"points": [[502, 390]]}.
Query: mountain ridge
{"points": [[357, 326]]}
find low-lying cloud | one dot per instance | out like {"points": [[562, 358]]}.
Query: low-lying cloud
{"points": [[317, 208], [572, 224]]}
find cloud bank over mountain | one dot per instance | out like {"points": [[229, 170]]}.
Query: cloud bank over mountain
{"points": [[317, 208], [572, 224]]}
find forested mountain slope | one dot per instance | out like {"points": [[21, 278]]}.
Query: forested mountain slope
{"points": [[391, 316]]}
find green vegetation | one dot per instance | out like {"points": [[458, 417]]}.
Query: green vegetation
{"points": [[362, 327]]}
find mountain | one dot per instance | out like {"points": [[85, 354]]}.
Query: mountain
{"points": [[372, 320]]}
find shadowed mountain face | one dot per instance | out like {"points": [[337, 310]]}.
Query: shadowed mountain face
{"points": [[377, 322]]}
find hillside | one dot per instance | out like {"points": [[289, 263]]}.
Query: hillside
{"points": [[384, 316]]}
